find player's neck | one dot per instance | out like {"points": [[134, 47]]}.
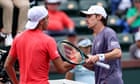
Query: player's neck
{"points": [[98, 28], [40, 27]]}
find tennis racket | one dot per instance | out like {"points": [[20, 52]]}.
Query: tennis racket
{"points": [[74, 55]]}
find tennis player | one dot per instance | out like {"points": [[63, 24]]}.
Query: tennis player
{"points": [[106, 47], [34, 49]]}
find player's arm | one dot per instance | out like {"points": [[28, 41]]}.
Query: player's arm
{"points": [[9, 67], [61, 66], [115, 53], [89, 66], [69, 75]]}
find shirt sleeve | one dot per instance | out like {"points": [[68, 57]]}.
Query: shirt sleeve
{"points": [[112, 41], [13, 51], [52, 49]]}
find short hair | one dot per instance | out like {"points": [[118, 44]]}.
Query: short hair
{"points": [[103, 20]]}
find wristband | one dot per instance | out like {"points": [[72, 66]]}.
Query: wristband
{"points": [[101, 57]]}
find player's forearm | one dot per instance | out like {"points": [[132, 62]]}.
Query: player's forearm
{"points": [[116, 53], [68, 66], [11, 73], [69, 76], [89, 66], [62, 66]]}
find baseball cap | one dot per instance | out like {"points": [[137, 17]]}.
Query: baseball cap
{"points": [[35, 15], [85, 43], [53, 1], [137, 36], [95, 9]]}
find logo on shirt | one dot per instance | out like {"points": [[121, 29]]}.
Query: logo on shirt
{"points": [[114, 43]]}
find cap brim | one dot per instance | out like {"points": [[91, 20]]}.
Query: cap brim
{"points": [[85, 13], [31, 25]]}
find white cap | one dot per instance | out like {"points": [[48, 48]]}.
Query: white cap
{"points": [[96, 9], [35, 15], [137, 36], [85, 43], [53, 1]]}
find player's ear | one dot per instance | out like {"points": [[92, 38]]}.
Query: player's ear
{"points": [[42, 21], [99, 17]]}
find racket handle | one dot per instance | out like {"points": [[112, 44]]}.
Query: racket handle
{"points": [[106, 66]]}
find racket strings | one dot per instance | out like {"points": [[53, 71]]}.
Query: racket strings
{"points": [[71, 53]]}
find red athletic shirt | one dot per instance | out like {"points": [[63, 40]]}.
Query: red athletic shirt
{"points": [[58, 20], [34, 50]]}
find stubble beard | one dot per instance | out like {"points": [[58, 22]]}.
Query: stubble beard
{"points": [[91, 27]]}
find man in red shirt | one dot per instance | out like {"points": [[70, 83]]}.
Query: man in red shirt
{"points": [[59, 22], [34, 49]]}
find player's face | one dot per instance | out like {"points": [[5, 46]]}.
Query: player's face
{"points": [[91, 21], [45, 23]]}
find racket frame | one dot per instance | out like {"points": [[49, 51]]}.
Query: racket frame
{"points": [[65, 58]]}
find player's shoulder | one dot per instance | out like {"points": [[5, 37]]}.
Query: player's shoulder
{"points": [[48, 38], [18, 35], [109, 30]]}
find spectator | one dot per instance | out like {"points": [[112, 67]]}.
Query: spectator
{"points": [[120, 10], [33, 49], [123, 6], [124, 25], [133, 16], [114, 6], [135, 48], [80, 73], [72, 37], [8, 6], [59, 22]]}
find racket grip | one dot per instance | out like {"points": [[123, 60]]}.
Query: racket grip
{"points": [[106, 66]]}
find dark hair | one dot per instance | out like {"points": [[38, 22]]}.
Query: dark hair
{"points": [[103, 20]]}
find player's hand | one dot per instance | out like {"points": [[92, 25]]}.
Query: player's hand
{"points": [[76, 57], [92, 59]]}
